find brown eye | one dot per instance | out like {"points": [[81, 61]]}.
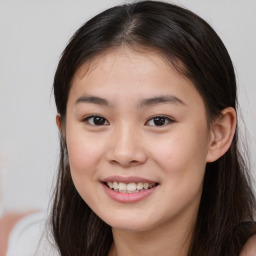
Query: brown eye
{"points": [[159, 121], [96, 120]]}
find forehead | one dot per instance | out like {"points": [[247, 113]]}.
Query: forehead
{"points": [[137, 60], [123, 55], [138, 72]]}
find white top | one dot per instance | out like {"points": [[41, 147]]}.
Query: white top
{"points": [[29, 237]]}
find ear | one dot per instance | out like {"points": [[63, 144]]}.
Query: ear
{"points": [[58, 122], [221, 134]]}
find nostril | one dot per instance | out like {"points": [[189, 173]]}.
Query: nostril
{"points": [[114, 162], [124, 163], [126, 156]]}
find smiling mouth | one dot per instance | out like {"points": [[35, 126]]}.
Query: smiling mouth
{"points": [[130, 187]]}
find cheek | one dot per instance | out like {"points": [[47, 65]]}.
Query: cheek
{"points": [[84, 159], [182, 155], [84, 154]]}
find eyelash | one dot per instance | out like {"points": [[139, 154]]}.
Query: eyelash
{"points": [[93, 117], [167, 120], [163, 120]]}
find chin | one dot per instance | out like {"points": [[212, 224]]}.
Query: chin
{"points": [[132, 224]]}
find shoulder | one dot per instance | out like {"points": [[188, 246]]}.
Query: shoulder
{"points": [[7, 222], [29, 237], [249, 248]]}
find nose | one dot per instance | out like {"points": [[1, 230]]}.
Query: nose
{"points": [[126, 147]]}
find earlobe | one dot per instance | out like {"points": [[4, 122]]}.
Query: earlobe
{"points": [[222, 133], [58, 122]]}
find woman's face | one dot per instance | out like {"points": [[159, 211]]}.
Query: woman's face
{"points": [[137, 140]]}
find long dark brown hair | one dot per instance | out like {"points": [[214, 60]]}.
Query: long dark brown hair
{"points": [[225, 218]]}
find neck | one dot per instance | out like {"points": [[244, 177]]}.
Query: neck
{"points": [[173, 239]]}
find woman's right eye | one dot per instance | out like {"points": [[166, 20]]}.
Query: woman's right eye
{"points": [[96, 120]]}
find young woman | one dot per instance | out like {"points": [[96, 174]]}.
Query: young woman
{"points": [[149, 163]]}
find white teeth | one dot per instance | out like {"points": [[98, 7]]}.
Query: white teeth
{"points": [[110, 184], [115, 185], [140, 185], [146, 185], [122, 186], [130, 187]]}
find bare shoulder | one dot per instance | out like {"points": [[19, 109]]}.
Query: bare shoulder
{"points": [[249, 248]]}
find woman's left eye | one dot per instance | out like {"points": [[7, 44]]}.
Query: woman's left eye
{"points": [[159, 121]]}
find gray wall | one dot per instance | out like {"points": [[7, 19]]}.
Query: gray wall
{"points": [[32, 37]]}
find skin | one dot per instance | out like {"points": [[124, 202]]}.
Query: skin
{"points": [[7, 223], [250, 247], [128, 143]]}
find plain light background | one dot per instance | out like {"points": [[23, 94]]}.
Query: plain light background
{"points": [[33, 34]]}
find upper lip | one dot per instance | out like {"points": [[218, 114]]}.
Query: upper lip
{"points": [[130, 179]]}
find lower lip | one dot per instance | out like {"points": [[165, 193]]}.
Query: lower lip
{"points": [[128, 197]]}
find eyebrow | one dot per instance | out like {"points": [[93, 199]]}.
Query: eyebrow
{"points": [[93, 99], [145, 102], [161, 99]]}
